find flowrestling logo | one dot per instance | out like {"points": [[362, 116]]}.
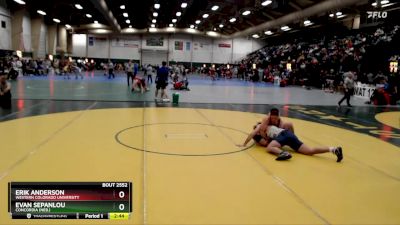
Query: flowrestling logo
{"points": [[376, 14]]}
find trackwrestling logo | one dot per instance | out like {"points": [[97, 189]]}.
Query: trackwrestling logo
{"points": [[375, 14]]}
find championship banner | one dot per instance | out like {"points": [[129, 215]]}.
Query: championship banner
{"points": [[155, 41], [201, 46], [120, 42], [179, 45], [187, 46], [224, 45], [92, 40]]}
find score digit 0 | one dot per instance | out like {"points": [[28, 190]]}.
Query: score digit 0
{"points": [[121, 194]]}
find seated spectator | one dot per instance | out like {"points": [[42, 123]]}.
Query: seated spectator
{"points": [[183, 84], [5, 92], [13, 73], [370, 78], [228, 74]]}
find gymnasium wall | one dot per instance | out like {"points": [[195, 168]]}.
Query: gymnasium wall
{"points": [[38, 37], [202, 49], [5, 32], [98, 47], [79, 44], [21, 32], [170, 47], [42, 49], [26, 33], [125, 47]]}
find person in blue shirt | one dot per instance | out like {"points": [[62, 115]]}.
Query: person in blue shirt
{"points": [[162, 81], [135, 70]]}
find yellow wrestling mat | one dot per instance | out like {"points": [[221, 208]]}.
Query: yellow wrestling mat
{"points": [[389, 118], [186, 169]]}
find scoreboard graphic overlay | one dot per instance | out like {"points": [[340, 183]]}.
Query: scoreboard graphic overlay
{"points": [[70, 200]]}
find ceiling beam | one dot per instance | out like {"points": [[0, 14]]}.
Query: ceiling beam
{"points": [[308, 2], [276, 13], [234, 28], [269, 16], [323, 6], [295, 6], [250, 23], [101, 5]]}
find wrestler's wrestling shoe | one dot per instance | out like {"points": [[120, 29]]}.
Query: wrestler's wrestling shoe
{"points": [[283, 156], [338, 152]]}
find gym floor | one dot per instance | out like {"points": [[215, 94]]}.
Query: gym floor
{"points": [[183, 159]]}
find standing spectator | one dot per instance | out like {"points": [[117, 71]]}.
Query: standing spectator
{"points": [[135, 70], [129, 72], [110, 69], [219, 72], [56, 66], [76, 70], [104, 67], [149, 72], [348, 88], [162, 81], [235, 72]]}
